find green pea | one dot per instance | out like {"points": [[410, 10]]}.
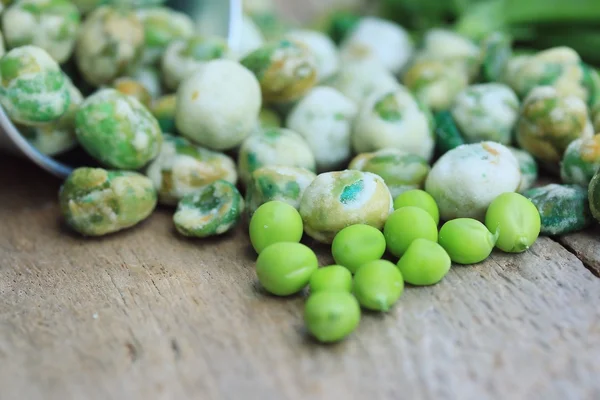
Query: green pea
{"points": [[356, 245], [419, 198], [517, 221], [405, 225], [424, 263], [331, 316], [273, 222], [332, 279], [378, 285], [285, 268], [466, 240]]}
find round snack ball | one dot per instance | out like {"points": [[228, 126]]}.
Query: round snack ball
{"points": [[331, 316], [133, 88], [163, 110], [419, 198], [183, 57], [285, 268], [379, 40], [250, 39], [496, 51], [49, 24], [273, 146], [378, 285], [424, 263], [211, 210], [277, 182], [452, 48], [393, 120], [33, 89], [486, 111], [335, 200], [333, 278], [325, 52], [95, 202], [594, 196], [149, 77], [117, 130], [517, 221], [285, 69], [405, 225], [324, 118], [467, 240], [182, 168], [274, 222], [360, 80], [109, 40], [356, 245], [549, 122], [465, 180], [581, 161], [528, 167], [218, 105]]}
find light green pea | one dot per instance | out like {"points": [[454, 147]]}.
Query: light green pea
{"points": [[285, 268], [331, 316], [356, 245], [332, 278], [273, 222], [405, 225], [466, 240], [378, 285], [424, 263], [419, 198]]}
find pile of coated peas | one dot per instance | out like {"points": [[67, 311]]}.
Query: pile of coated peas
{"points": [[350, 132]]}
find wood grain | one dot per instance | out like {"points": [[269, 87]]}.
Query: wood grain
{"points": [[586, 246], [146, 314]]}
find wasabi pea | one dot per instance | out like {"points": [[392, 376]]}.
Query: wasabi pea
{"points": [[149, 77], [33, 89], [163, 110], [419, 198], [333, 278], [251, 38], [211, 210], [496, 51], [325, 52], [117, 130], [324, 118], [378, 285], [451, 48], [109, 40], [447, 134], [133, 88], [183, 57], [277, 182], [285, 69], [362, 79], [274, 222], [563, 208], [424, 263], [218, 106], [467, 241], [528, 167], [273, 146], [581, 161], [356, 245], [393, 120], [162, 26], [95, 202], [182, 168], [331, 316], [48, 24], [594, 196], [335, 200]]}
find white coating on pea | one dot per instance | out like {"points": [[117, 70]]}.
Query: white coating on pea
{"points": [[326, 55], [359, 80], [528, 167], [451, 48]]}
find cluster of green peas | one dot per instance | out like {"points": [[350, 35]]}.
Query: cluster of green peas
{"points": [[362, 275]]}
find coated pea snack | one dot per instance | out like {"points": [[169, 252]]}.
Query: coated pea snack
{"points": [[274, 222], [581, 161], [331, 316], [335, 200], [451, 48], [109, 40], [378, 285], [273, 146], [356, 245], [393, 120], [496, 52], [117, 130], [359, 80], [218, 106], [425, 262], [251, 38], [528, 167], [594, 196], [133, 88], [33, 89], [48, 24], [182, 168], [211, 210], [333, 278], [277, 182], [95, 202], [163, 110], [324, 118], [325, 52], [467, 241], [465, 180], [149, 77]]}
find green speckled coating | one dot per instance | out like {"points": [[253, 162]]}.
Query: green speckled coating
{"points": [[117, 130], [496, 50], [581, 161], [594, 196], [528, 167], [212, 210], [563, 208], [388, 108], [447, 134], [163, 110], [95, 202]]}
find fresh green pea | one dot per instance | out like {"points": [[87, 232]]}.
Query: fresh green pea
{"points": [[517, 221], [332, 279], [275, 221], [466, 240], [424, 263], [405, 225], [331, 316], [356, 245], [419, 198], [285, 268], [378, 285]]}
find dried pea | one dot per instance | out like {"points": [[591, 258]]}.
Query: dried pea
{"points": [[581, 161]]}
